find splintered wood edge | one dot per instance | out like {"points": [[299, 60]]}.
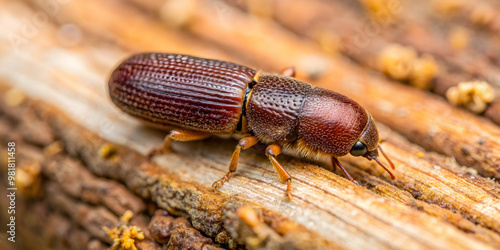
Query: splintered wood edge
{"points": [[268, 174]]}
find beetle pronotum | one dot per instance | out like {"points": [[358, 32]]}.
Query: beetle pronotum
{"points": [[200, 97]]}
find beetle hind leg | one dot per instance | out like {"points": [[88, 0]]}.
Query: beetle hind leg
{"points": [[177, 135], [244, 143], [272, 151]]}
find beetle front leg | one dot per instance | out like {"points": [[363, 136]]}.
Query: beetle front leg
{"points": [[178, 135], [337, 162], [244, 143], [272, 151]]}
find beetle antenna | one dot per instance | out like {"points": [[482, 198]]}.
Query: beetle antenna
{"points": [[386, 169], [387, 158]]}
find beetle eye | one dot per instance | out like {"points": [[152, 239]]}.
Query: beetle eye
{"points": [[359, 149]]}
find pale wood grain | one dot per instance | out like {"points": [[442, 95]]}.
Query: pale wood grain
{"points": [[412, 212]]}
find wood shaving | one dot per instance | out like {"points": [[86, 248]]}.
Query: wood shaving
{"points": [[474, 96], [403, 64]]}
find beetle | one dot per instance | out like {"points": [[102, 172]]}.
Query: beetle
{"points": [[199, 97]]}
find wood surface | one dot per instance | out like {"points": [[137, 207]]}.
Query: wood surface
{"points": [[84, 160]]}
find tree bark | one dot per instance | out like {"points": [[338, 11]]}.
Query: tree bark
{"points": [[86, 166]]}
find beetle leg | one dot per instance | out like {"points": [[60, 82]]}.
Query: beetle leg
{"points": [[290, 71], [272, 151], [178, 135], [336, 162], [244, 143]]}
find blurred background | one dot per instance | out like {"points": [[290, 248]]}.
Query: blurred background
{"points": [[335, 44], [409, 63]]}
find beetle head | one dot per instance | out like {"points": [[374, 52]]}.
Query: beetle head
{"points": [[368, 141], [368, 145]]}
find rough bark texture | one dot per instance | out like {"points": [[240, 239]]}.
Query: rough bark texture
{"points": [[81, 165]]}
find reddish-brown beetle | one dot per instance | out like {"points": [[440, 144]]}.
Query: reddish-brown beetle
{"points": [[204, 97]]}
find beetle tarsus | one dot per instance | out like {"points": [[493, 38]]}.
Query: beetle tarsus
{"points": [[222, 180], [166, 147], [289, 189], [154, 152]]}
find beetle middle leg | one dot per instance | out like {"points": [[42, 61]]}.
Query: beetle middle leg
{"points": [[178, 135], [272, 151], [244, 143], [336, 162]]}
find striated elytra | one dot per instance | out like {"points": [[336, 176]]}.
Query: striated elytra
{"points": [[196, 97]]}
